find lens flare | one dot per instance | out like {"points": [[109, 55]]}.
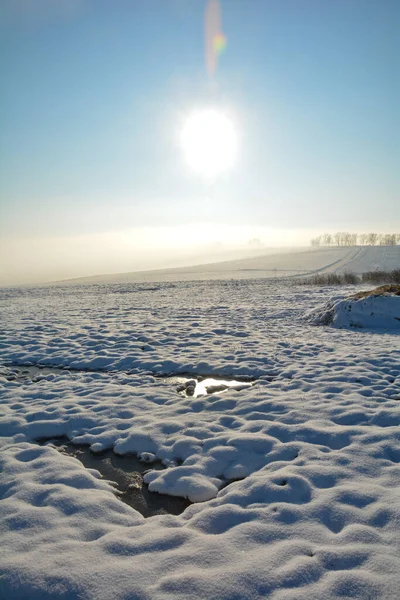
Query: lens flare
{"points": [[219, 43], [215, 41]]}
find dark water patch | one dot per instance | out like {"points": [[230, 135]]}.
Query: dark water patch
{"points": [[186, 384], [127, 472]]}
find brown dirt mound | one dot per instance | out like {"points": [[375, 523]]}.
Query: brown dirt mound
{"points": [[383, 290]]}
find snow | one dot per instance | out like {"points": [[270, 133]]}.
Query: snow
{"points": [[358, 259], [370, 258], [295, 479], [373, 312]]}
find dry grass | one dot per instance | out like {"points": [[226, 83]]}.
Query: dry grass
{"points": [[323, 279], [383, 290]]}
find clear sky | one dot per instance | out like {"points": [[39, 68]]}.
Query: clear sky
{"points": [[94, 94]]}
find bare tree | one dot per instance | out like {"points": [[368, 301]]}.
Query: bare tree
{"points": [[316, 242], [347, 238], [337, 237], [353, 240], [326, 239], [255, 243], [344, 238], [372, 239], [363, 238], [390, 239]]}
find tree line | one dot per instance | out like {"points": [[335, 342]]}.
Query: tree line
{"points": [[343, 238]]}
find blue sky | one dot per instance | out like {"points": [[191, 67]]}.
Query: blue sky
{"points": [[94, 92]]}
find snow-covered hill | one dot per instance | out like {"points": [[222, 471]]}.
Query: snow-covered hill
{"points": [[281, 264], [369, 258]]}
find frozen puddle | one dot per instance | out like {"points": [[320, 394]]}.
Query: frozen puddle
{"points": [[203, 386], [186, 385], [127, 472]]}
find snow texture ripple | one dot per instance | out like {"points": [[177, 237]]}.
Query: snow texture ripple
{"points": [[295, 480]]}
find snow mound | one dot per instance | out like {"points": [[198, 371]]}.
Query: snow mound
{"points": [[369, 311]]}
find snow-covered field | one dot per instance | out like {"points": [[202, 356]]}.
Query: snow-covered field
{"points": [[367, 258], [293, 263], [295, 480]]}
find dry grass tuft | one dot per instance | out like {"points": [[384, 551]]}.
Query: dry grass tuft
{"points": [[383, 290]]}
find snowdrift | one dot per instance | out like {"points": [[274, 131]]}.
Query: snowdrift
{"points": [[377, 309]]}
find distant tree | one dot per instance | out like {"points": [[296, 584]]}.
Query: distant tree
{"points": [[255, 243], [388, 239], [326, 239], [316, 241], [337, 237], [354, 238], [363, 238], [346, 238]]}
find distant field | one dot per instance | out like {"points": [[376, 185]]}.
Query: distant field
{"points": [[281, 264], [369, 258]]}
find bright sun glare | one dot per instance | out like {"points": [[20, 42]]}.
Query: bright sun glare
{"points": [[209, 142]]}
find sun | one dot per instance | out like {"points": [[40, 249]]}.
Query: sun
{"points": [[209, 142]]}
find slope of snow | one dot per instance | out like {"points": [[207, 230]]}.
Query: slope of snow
{"points": [[368, 258], [268, 266], [295, 479], [278, 264]]}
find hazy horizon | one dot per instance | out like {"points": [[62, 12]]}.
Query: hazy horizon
{"points": [[47, 259], [44, 260]]}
